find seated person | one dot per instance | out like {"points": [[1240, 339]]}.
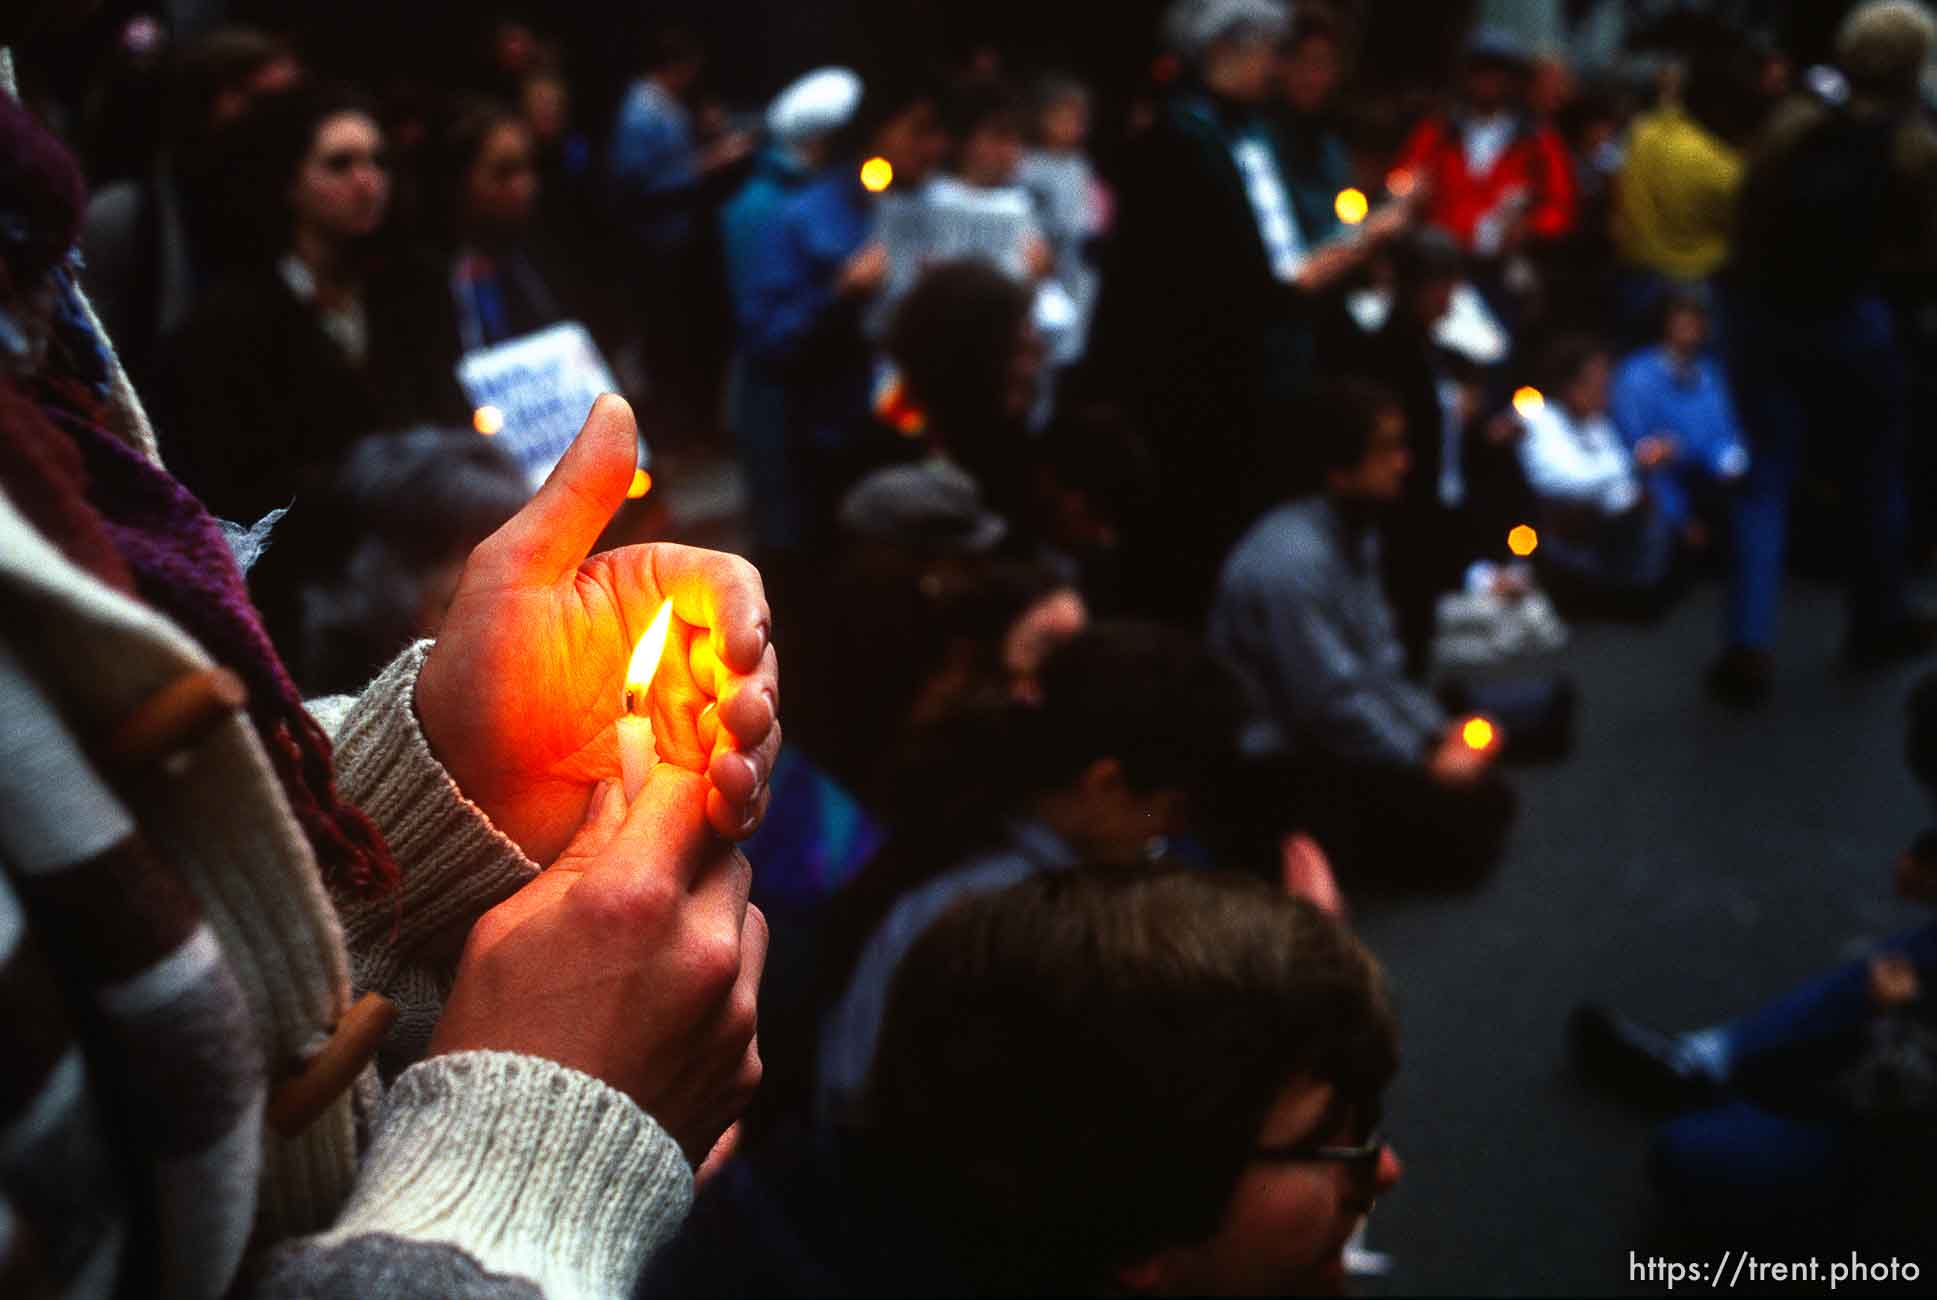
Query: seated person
{"points": [[1095, 1081], [1600, 523], [1816, 1110], [1675, 397], [1300, 613], [870, 744], [1132, 724]]}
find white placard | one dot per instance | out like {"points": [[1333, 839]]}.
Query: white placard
{"points": [[540, 387]]}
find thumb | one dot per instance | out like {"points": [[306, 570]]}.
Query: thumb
{"points": [[665, 831], [557, 528], [602, 822]]}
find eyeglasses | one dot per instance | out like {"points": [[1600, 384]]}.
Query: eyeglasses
{"points": [[1360, 1160]]}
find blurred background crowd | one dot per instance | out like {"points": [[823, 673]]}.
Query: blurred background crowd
{"points": [[1187, 430]]}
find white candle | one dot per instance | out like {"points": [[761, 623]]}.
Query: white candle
{"points": [[636, 750]]}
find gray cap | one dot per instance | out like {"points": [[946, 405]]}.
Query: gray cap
{"points": [[1193, 26], [820, 102], [931, 502]]}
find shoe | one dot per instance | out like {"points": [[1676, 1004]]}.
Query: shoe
{"points": [[1640, 1063], [1916, 635], [1742, 678]]}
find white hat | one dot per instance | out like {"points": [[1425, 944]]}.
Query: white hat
{"points": [[819, 102], [1193, 26]]}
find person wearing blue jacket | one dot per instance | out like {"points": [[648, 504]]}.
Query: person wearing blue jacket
{"points": [[801, 125], [1675, 392], [801, 307]]}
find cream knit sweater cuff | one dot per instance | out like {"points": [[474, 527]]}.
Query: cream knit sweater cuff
{"points": [[531, 1168], [456, 864]]}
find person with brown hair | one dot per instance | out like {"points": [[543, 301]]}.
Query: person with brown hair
{"points": [[1094, 1081]]}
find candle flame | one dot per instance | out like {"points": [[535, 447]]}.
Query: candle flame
{"points": [[1523, 541], [487, 420], [641, 484], [1398, 182], [1528, 402], [1477, 733], [1351, 206], [877, 174], [645, 659]]}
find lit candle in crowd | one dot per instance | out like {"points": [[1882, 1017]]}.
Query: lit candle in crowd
{"points": [[635, 721], [877, 174], [487, 420], [1528, 402], [1478, 733], [1351, 206], [1523, 541]]}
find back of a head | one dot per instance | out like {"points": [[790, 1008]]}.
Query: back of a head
{"points": [[1566, 357], [1881, 48], [953, 338], [1073, 1072], [1424, 254], [1336, 421], [344, 580], [212, 66], [1146, 695]]}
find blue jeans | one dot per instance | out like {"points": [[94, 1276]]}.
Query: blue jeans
{"points": [[1837, 374], [1779, 1155]]}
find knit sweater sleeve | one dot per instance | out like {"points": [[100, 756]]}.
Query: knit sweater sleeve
{"points": [[455, 864], [494, 1176]]}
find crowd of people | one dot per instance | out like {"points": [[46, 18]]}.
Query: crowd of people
{"points": [[1169, 499]]}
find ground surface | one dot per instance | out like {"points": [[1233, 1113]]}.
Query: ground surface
{"points": [[1685, 863]]}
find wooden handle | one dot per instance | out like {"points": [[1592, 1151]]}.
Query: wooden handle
{"points": [[175, 717], [353, 1045]]}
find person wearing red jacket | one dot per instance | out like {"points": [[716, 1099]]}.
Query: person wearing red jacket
{"points": [[1494, 175]]}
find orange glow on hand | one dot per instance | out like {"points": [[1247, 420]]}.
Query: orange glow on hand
{"points": [[645, 659], [1528, 402], [1351, 206], [487, 420], [641, 484], [877, 174], [1523, 541], [1478, 734]]}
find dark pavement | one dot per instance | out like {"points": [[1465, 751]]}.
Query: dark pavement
{"points": [[1683, 865]]}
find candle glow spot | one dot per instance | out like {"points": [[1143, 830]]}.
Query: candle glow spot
{"points": [[1351, 206], [641, 484], [1528, 402], [1523, 541], [1399, 182], [487, 420], [877, 174], [1477, 733]]}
